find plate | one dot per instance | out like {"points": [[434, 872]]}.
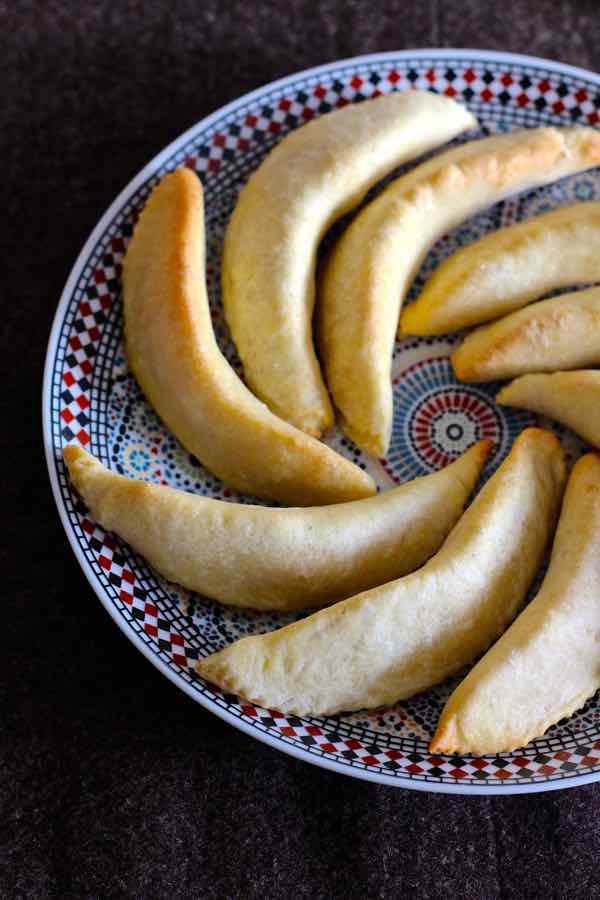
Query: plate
{"points": [[91, 398]]}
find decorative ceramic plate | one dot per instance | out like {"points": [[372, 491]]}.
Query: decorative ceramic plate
{"points": [[91, 398]]}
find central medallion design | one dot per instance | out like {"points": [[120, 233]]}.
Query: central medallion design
{"points": [[437, 418], [448, 421]]}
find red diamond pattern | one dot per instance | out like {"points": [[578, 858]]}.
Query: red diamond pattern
{"points": [[130, 592]]}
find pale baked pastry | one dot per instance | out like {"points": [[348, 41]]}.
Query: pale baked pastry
{"points": [[572, 398], [507, 269], [548, 662], [373, 264], [316, 174], [279, 558], [173, 353], [396, 640], [548, 336]]}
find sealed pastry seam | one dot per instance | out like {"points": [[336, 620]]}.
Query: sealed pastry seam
{"points": [[507, 269], [283, 559], [547, 336]]}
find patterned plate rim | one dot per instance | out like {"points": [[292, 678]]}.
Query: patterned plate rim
{"points": [[49, 448]]}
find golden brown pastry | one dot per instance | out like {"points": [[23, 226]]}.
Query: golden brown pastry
{"points": [[316, 174], [560, 333], [396, 640], [373, 264], [173, 353], [572, 398], [548, 662], [508, 269], [279, 558]]}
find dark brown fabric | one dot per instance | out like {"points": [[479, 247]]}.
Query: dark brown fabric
{"points": [[112, 782]]}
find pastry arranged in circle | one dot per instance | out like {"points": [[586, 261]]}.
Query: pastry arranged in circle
{"points": [[418, 589]]}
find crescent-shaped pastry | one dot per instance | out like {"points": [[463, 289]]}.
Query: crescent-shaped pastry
{"points": [[373, 264], [572, 398], [560, 333], [398, 639], [548, 662], [173, 353], [508, 269], [279, 558], [312, 177]]}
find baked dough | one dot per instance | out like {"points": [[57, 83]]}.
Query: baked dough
{"points": [[396, 640], [548, 662], [572, 398], [312, 177], [174, 355], [279, 558], [508, 269], [373, 264], [560, 333]]}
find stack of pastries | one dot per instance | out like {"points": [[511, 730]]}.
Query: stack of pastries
{"points": [[408, 588]]}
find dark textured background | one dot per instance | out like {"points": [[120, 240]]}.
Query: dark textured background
{"points": [[114, 784]]}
